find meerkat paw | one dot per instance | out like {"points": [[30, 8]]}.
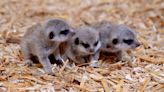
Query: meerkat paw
{"points": [[126, 58], [70, 66], [49, 71], [94, 63], [28, 63], [59, 61], [123, 57]]}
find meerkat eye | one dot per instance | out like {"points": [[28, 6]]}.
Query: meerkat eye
{"points": [[85, 45], [64, 32], [115, 41], [76, 41], [95, 44], [129, 41], [51, 35]]}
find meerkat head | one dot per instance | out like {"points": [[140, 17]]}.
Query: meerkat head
{"points": [[58, 30], [87, 40], [123, 38]]}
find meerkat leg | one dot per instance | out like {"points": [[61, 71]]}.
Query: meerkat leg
{"points": [[46, 64], [126, 57], [58, 57], [44, 60], [119, 56], [27, 56], [94, 59]]}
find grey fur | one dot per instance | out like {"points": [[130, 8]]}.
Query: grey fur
{"points": [[119, 34], [80, 54], [37, 41]]}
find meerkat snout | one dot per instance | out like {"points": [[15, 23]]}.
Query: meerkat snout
{"points": [[92, 50], [138, 44]]}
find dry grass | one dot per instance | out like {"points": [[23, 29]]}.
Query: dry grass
{"points": [[144, 74]]}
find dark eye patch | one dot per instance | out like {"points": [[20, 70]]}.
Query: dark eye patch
{"points": [[129, 41], [95, 44], [51, 35], [76, 41], [85, 45], [64, 32], [115, 41]]}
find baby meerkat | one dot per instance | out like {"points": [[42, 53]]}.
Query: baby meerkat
{"points": [[83, 46], [43, 39], [116, 38]]}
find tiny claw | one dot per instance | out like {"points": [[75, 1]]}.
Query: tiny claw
{"points": [[28, 63], [94, 63], [59, 62], [49, 72]]}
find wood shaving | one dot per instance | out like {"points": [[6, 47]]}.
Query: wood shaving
{"points": [[144, 72]]}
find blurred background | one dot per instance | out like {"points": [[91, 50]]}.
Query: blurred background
{"points": [[142, 15]]}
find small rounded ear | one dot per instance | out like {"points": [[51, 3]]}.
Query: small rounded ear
{"points": [[51, 35], [76, 41]]}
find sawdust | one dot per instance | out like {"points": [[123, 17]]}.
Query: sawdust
{"points": [[145, 72]]}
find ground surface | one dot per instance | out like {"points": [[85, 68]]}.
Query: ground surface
{"points": [[145, 73]]}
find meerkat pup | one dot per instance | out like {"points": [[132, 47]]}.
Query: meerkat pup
{"points": [[83, 46], [43, 39], [116, 38]]}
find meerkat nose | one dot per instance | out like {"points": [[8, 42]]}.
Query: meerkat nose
{"points": [[108, 46], [138, 44], [91, 50]]}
